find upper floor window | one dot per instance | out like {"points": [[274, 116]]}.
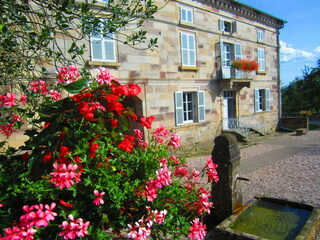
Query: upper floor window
{"points": [[262, 100], [227, 26], [261, 60], [103, 48], [190, 107], [186, 15], [260, 35], [188, 49]]}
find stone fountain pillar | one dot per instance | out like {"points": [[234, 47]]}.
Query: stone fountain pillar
{"points": [[226, 196]]}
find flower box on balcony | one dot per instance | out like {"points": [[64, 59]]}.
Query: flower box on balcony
{"points": [[245, 65]]}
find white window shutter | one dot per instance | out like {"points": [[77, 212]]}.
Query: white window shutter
{"points": [[268, 99], [261, 59], [221, 24], [223, 70], [238, 56], [178, 97], [256, 100], [201, 106], [184, 49]]}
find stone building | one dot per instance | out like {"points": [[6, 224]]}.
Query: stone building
{"points": [[188, 82]]}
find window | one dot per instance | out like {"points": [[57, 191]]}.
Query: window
{"points": [[186, 15], [260, 35], [227, 26], [190, 107], [261, 60], [230, 52], [262, 100], [188, 49], [103, 48]]}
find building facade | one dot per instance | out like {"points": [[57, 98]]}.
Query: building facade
{"points": [[188, 82]]}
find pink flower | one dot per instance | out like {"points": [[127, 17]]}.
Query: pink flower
{"points": [[138, 232], [175, 140], [164, 177], [19, 233], [7, 129], [151, 190], [181, 171], [212, 170], [159, 217], [203, 204], [23, 99], [175, 159], [39, 87], [16, 118], [197, 230], [195, 174], [161, 134], [55, 95], [138, 135], [37, 215], [68, 74], [9, 100], [65, 175], [75, 228], [1, 205], [98, 200], [105, 77]]}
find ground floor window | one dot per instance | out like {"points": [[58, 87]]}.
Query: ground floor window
{"points": [[262, 100], [189, 107]]}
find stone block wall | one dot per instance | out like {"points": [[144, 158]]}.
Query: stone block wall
{"points": [[159, 72]]}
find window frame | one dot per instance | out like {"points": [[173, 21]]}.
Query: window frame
{"points": [[102, 41], [232, 26], [188, 50], [182, 104], [187, 11], [262, 100]]}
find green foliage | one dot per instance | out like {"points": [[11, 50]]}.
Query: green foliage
{"points": [[303, 93], [64, 135], [29, 30]]}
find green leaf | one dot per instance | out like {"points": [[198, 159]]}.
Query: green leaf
{"points": [[76, 86]]}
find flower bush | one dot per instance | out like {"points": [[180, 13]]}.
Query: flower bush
{"points": [[245, 65], [84, 173]]}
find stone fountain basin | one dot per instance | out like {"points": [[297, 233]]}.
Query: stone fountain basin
{"points": [[268, 218]]}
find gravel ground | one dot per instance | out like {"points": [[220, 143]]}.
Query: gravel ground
{"points": [[295, 178]]}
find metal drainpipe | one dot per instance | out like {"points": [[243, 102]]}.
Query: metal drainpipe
{"points": [[279, 80]]}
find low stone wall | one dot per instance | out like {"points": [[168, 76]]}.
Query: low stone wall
{"points": [[294, 122]]}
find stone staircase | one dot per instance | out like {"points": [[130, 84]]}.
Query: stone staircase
{"points": [[245, 128]]}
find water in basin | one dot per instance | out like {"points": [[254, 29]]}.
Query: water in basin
{"points": [[271, 220]]}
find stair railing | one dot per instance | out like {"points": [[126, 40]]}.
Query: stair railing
{"points": [[254, 123], [234, 124]]}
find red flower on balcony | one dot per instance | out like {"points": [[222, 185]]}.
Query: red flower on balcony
{"points": [[245, 65]]}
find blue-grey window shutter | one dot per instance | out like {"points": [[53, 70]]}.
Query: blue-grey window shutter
{"points": [[267, 99], [201, 106], [256, 100], [179, 108]]}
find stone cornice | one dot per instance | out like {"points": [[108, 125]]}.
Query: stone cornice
{"points": [[246, 11]]}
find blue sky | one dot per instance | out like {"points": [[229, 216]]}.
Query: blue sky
{"points": [[300, 37]]}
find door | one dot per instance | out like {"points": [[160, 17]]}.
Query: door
{"points": [[228, 109], [226, 60]]}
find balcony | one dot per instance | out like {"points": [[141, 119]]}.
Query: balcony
{"points": [[230, 77]]}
